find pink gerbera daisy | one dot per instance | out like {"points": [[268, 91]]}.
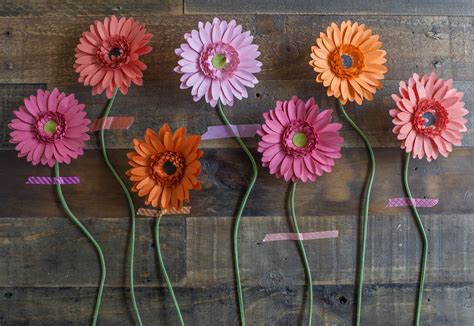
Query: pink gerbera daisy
{"points": [[50, 127], [218, 62], [299, 142], [107, 57], [429, 116]]}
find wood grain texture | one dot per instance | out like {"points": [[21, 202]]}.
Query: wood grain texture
{"points": [[37, 50], [163, 101], [382, 7], [224, 179]]}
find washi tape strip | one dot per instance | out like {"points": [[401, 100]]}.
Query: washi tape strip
{"points": [[111, 123], [53, 180], [301, 236], [216, 132], [171, 211], [417, 202]]}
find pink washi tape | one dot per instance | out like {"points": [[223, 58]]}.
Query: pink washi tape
{"points": [[111, 123], [301, 236], [53, 180], [417, 202], [156, 213], [216, 132]]}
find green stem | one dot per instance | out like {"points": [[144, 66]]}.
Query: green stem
{"points": [[130, 204], [91, 239], [163, 270], [424, 240], [243, 203], [307, 269], [365, 219]]}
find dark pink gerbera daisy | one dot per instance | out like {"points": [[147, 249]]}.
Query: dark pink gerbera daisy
{"points": [[298, 141], [50, 127]]}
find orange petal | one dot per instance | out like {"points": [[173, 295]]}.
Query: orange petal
{"points": [[165, 198], [144, 171]]}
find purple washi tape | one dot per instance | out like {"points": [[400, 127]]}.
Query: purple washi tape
{"points": [[224, 131], [417, 202], [53, 180]]}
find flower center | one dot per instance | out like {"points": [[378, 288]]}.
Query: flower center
{"points": [[168, 168], [219, 60], [50, 127], [300, 140], [430, 118], [346, 61], [114, 52]]}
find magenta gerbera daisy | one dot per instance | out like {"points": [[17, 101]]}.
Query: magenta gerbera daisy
{"points": [[298, 141], [218, 61], [50, 127]]}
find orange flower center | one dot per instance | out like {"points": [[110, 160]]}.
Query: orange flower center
{"points": [[430, 118], [167, 168], [347, 61]]}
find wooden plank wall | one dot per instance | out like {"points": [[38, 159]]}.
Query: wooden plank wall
{"points": [[49, 272]]}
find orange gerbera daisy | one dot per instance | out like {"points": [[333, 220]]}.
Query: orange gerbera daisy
{"points": [[165, 167], [349, 62]]}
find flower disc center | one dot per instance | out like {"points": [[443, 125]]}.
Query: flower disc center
{"points": [[300, 140], [169, 168], [50, 127], [115, 52], [219, 61], [346, 61], [430, 119]]}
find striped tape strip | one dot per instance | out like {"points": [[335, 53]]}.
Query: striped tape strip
{"points": [[170, 211], [53, 180], [111, 123], [417, 202], [301, 236]]}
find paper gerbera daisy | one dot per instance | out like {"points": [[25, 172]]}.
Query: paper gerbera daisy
{"points": [[298, 141], [51, 127], [107, 56], [349, 62], [429, 116], [165, 167], [218, 61]]}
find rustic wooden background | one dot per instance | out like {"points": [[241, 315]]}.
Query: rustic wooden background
{"points": [[49, 272]]}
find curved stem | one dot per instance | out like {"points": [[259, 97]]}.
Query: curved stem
{"points": [[424, 240], [91, 239], [243, 203], [130, 204], [365, 219], [307, 269], [163, 270]]}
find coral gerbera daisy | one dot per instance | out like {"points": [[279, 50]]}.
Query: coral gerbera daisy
{"points": [[51, 127], [218, 61], [429, 116], [349, 62], [298, 141], [165, 167], [107, 57]]}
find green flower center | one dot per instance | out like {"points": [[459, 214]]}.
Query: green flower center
{"points": [[300, 140], [219, 61], [50, 126]]}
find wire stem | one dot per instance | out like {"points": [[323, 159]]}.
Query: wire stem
{"points": [[91, 239], [163, 270], [424, 241], [130, 204], [365, 218], [307, 269], [243, 203]]}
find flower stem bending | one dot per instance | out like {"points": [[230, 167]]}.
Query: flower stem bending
{"points": [[163, 269], [365, 219], [130, 204], [307, 269], [424, 241], [243, 203], [86, 232]]}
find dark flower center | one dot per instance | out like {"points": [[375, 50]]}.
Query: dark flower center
{"points": [[347, 61], [168, 168], [115, 52], [430, 118]]}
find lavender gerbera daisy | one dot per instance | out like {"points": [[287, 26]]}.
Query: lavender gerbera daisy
{"points": [[218, 61]]}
